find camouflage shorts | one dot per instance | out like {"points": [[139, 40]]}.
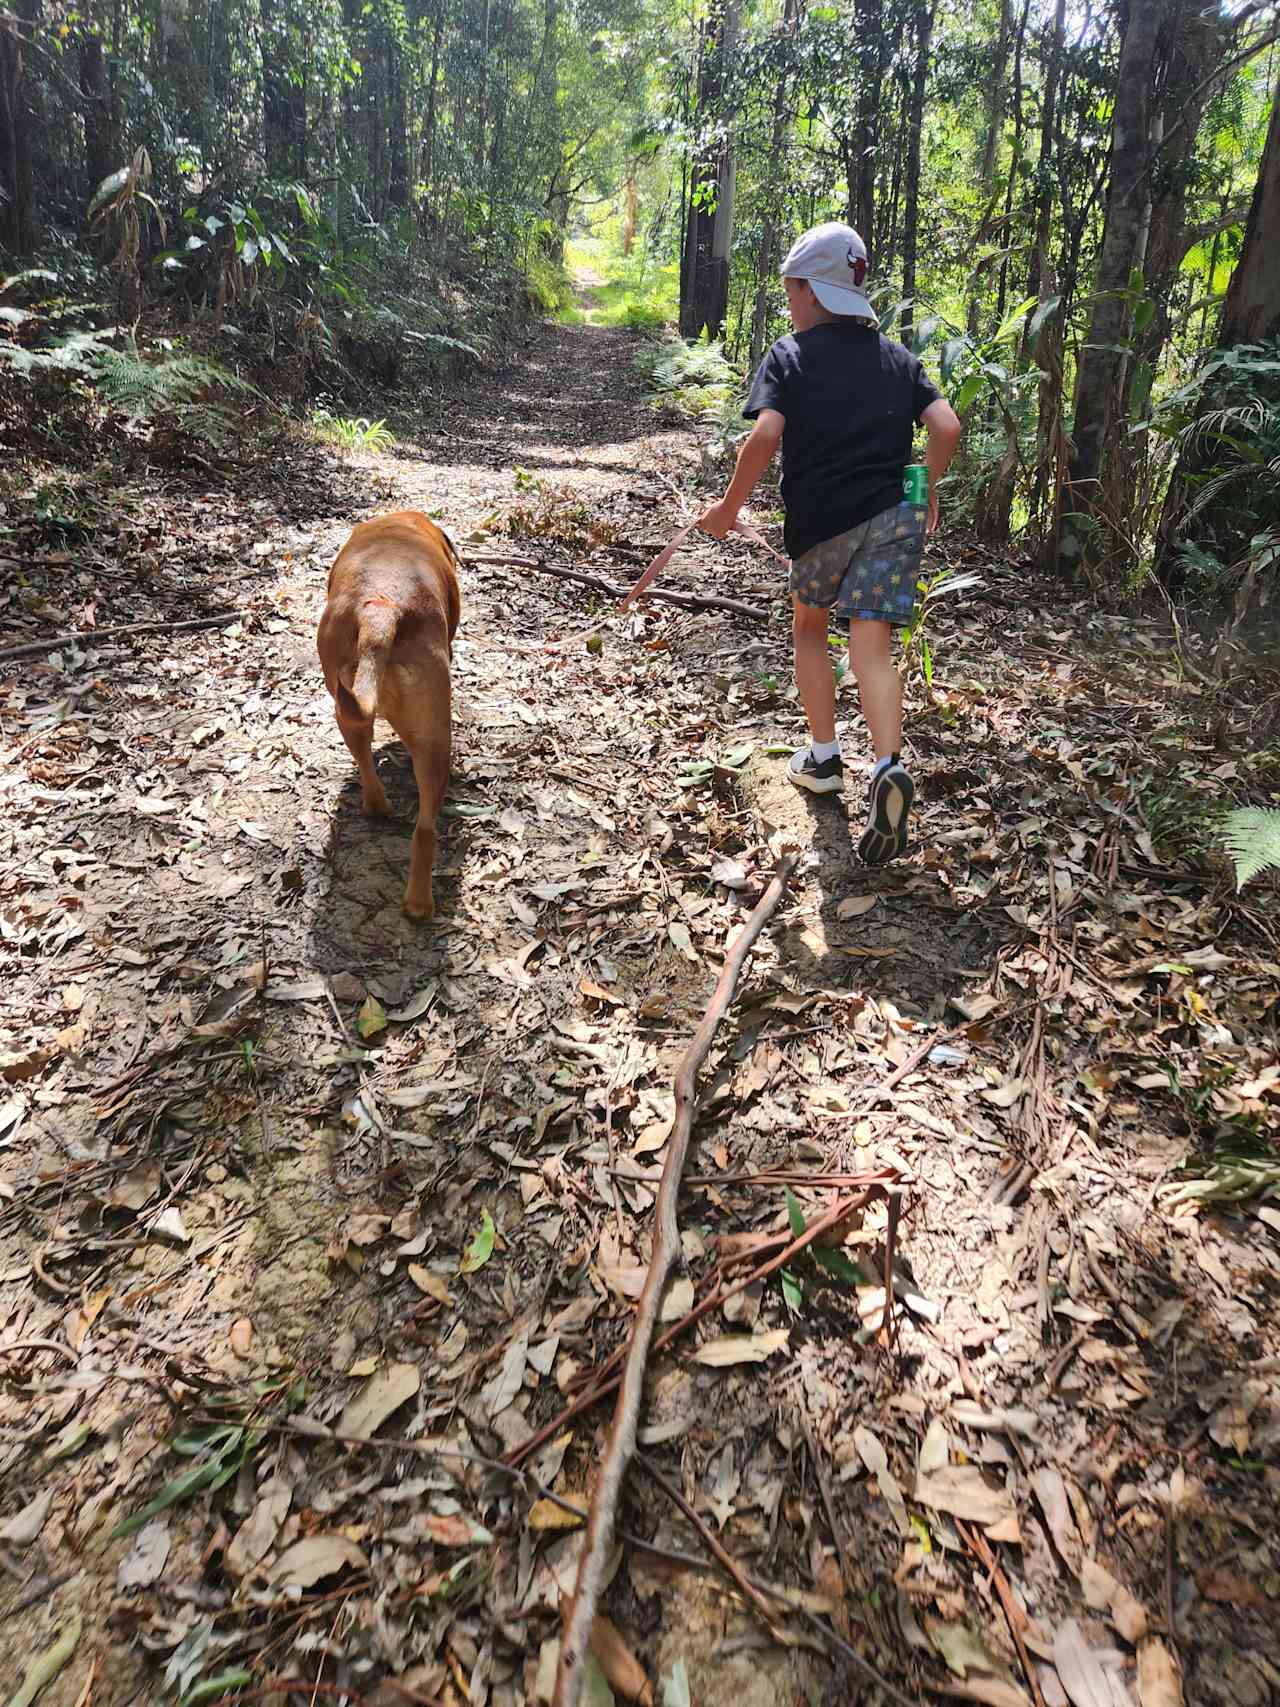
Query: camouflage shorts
{"points": [[868, 573]]}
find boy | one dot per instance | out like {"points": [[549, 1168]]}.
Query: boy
{"points": [[843, 401]]}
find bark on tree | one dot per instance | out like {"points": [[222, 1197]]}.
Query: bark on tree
{"points": [[704, 273], [989, 158], [861, 150], [99, 149], [17, 214], [1098, 399], [915, 126]]}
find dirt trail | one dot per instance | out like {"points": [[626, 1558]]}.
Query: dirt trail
{"points": [[269, 1150]]}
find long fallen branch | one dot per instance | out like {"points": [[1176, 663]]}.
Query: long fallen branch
{"points": [[584, 578], [666, 1246], [94, 636]]}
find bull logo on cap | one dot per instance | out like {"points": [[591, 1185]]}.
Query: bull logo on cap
{"points": [[857, 266]]}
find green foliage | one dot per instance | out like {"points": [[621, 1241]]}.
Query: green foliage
{"points": [[1251, 835], [917, 648], [1224, 425], [694, 380], [350, 433]]}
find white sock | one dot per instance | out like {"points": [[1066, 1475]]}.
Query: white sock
{"points": [[882, 765], [823, 750]]}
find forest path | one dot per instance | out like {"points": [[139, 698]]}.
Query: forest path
{"points": [[273, 1157]]}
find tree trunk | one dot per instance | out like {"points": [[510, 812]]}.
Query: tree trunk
{"points": [[915, 125], [17, 214], [989, 159], [1098, 400], [704, 281], [861, 155], [398, 119], [99, 150]]}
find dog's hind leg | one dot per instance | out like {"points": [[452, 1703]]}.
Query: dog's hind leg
{"points": [[431, 768], [357, 732]]}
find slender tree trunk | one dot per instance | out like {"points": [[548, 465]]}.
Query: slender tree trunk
{"points": [[915, 123], [989, 158], [17, 212], [629, 213], [398, 115], [429, 126], [1101, 366], [704, 285], [862, 155], [99, 150]]}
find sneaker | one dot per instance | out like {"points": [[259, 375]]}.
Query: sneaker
{"points": [[805, 771], [885, 836]]}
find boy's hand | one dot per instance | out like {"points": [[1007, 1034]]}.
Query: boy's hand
{"points": [[931, 526], [718, 521]]}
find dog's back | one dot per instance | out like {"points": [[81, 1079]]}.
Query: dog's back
{"points": [[385, 641], [386, 609]]}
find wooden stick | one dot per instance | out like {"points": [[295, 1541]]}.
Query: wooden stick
{"points": [[33, 648], [687, 601], [982, 1550], [607, 1381], [666, 1247]]}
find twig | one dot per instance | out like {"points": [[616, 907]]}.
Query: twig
{"points": [[687, 601], [91, 637], [666, 1246], [709, 1541], [981, 1549], [746, 1585], [607, 1381]]}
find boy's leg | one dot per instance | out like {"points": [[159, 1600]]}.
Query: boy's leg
{"points": [[815, 680], [879, 684], [892, 790]]}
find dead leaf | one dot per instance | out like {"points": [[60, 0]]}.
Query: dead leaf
{"points": [[432, 1284], [169, 1224], [1158, 1682], [962, 1491], [742, 1348], [854, 906], [873, 1455], [959, 1647], [315, 1557], [1079, 1669], [598, 993], [241, 1337], [385, 1393], [546, 1514], [1005, 1095], [453, 1530], [136, 1187], [364, 1230], [1097, 1584], [1128, 1615], [499, 1392], [256, 1536], [624, 1672], [22, 1529], [1233, 1590], [935, 1451], [84, 1318], [1051, 1491], [145, 1560], [372, 1017], [677, 1300]]}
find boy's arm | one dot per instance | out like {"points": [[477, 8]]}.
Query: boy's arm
{"points": [[754, 457], [944, 428]]}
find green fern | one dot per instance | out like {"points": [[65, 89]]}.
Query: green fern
{"points": [[144, 390], [1251, 835]]}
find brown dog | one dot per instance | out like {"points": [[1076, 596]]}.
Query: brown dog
{"points": [[385, 642]]}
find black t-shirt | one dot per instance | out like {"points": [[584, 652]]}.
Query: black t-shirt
{"points": [[851, 400]]}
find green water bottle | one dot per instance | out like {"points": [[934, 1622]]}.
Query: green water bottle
{"points": [[915, 485]]}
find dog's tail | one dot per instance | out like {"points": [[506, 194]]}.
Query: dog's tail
{"points": [[373, 648]]}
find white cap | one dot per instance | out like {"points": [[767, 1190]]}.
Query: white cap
{"points": [[834, 260]]}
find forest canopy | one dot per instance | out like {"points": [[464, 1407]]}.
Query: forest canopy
{"points": [[1072, 213]]}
